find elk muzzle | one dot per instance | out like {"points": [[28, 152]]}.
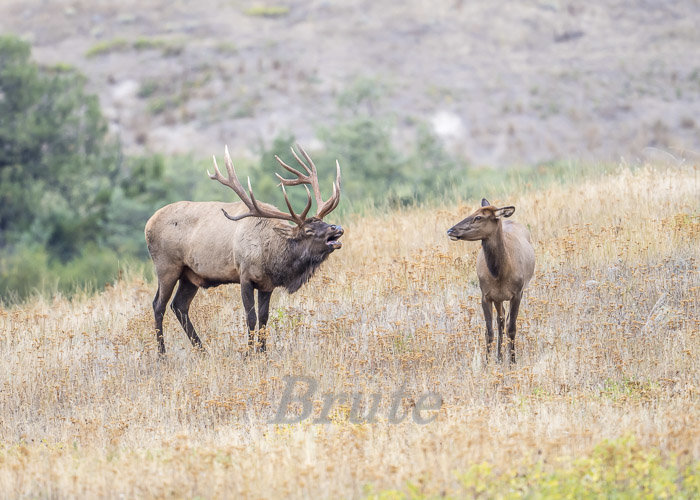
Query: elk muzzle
{"points": [[464, 231], [332, 240]]}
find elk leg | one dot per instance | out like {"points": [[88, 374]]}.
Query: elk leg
{"points": [[501, 323], [263, 313], [248, 296], [181, 307], [512, 318], [488, 317], [165, 290]]}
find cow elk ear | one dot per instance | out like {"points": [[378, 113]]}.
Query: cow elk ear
{"points": [[485, 202], [285, 231], [505, 211]]}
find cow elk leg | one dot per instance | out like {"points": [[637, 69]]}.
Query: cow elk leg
{"points": [[500, 319], [512, 319], [488, 317]]}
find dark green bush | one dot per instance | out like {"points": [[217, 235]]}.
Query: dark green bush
{"points": [[57, 165]]}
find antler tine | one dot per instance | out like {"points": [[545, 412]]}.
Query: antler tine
{"points": [[291, 182], [299, 219], [228, 163], [330, 205], [308, 204], [313, 174], [255, 210], [301, 178], [274, 213], [310, 171], [232, 180], [336, 187], [310, 179], [323, 207], [237, 217], [252, 197]]}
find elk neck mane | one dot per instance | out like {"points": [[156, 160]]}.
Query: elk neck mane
{"points": [[291, 261], [302, 266]]}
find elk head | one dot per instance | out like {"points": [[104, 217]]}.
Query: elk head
{"points": [[481, 224], [319, 237]]}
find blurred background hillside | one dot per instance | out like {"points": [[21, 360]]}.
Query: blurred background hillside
{"points": [[109, 110], [502, 82]]}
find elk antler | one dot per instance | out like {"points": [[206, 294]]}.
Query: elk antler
{"points": [[255, 210], [323, 208]]}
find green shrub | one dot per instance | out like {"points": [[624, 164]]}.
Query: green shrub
{"points": [[107, 47], [614, 469], [168, 47], [31, 271], [24, 273], [57, 163], [148, 88]]}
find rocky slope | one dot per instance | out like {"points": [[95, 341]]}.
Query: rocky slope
{"points": [[502, 82]]}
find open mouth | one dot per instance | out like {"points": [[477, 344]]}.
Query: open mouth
{"points": [[453, 238], [332, 241]]}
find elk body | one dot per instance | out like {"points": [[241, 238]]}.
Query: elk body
{"points": [[505, 265], [207, 244]]}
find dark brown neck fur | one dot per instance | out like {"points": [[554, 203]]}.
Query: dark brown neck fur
{"points": [[293, 263], [301, 265], [495, 252]]}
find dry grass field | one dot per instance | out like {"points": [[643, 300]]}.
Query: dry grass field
{"points": [[604, 397]]}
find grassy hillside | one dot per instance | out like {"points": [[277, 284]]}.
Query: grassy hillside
{"points": [[604, 397]]}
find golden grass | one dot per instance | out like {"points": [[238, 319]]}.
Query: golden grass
{"points": [[608, 347]]}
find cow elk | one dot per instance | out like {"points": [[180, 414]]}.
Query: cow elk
{"points": [[505, 265], [207, 244]]}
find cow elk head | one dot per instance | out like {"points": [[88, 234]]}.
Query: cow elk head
{"points": [[481, 224]]}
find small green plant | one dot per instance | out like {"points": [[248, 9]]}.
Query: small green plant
{"points": [[107, 47], [148, 88], [267, 11], [61, 67], [158, 105], [168, 47], [614, 469], [226, 48]]}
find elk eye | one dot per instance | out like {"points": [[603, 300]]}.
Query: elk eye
{"points": [[478, 217]]}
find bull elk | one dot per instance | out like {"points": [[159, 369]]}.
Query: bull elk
{"points": [[207, 244], [505, 265]]}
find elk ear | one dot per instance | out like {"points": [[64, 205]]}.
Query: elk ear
{"points": [[485, 202], [284, 231], [505, 211]]}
